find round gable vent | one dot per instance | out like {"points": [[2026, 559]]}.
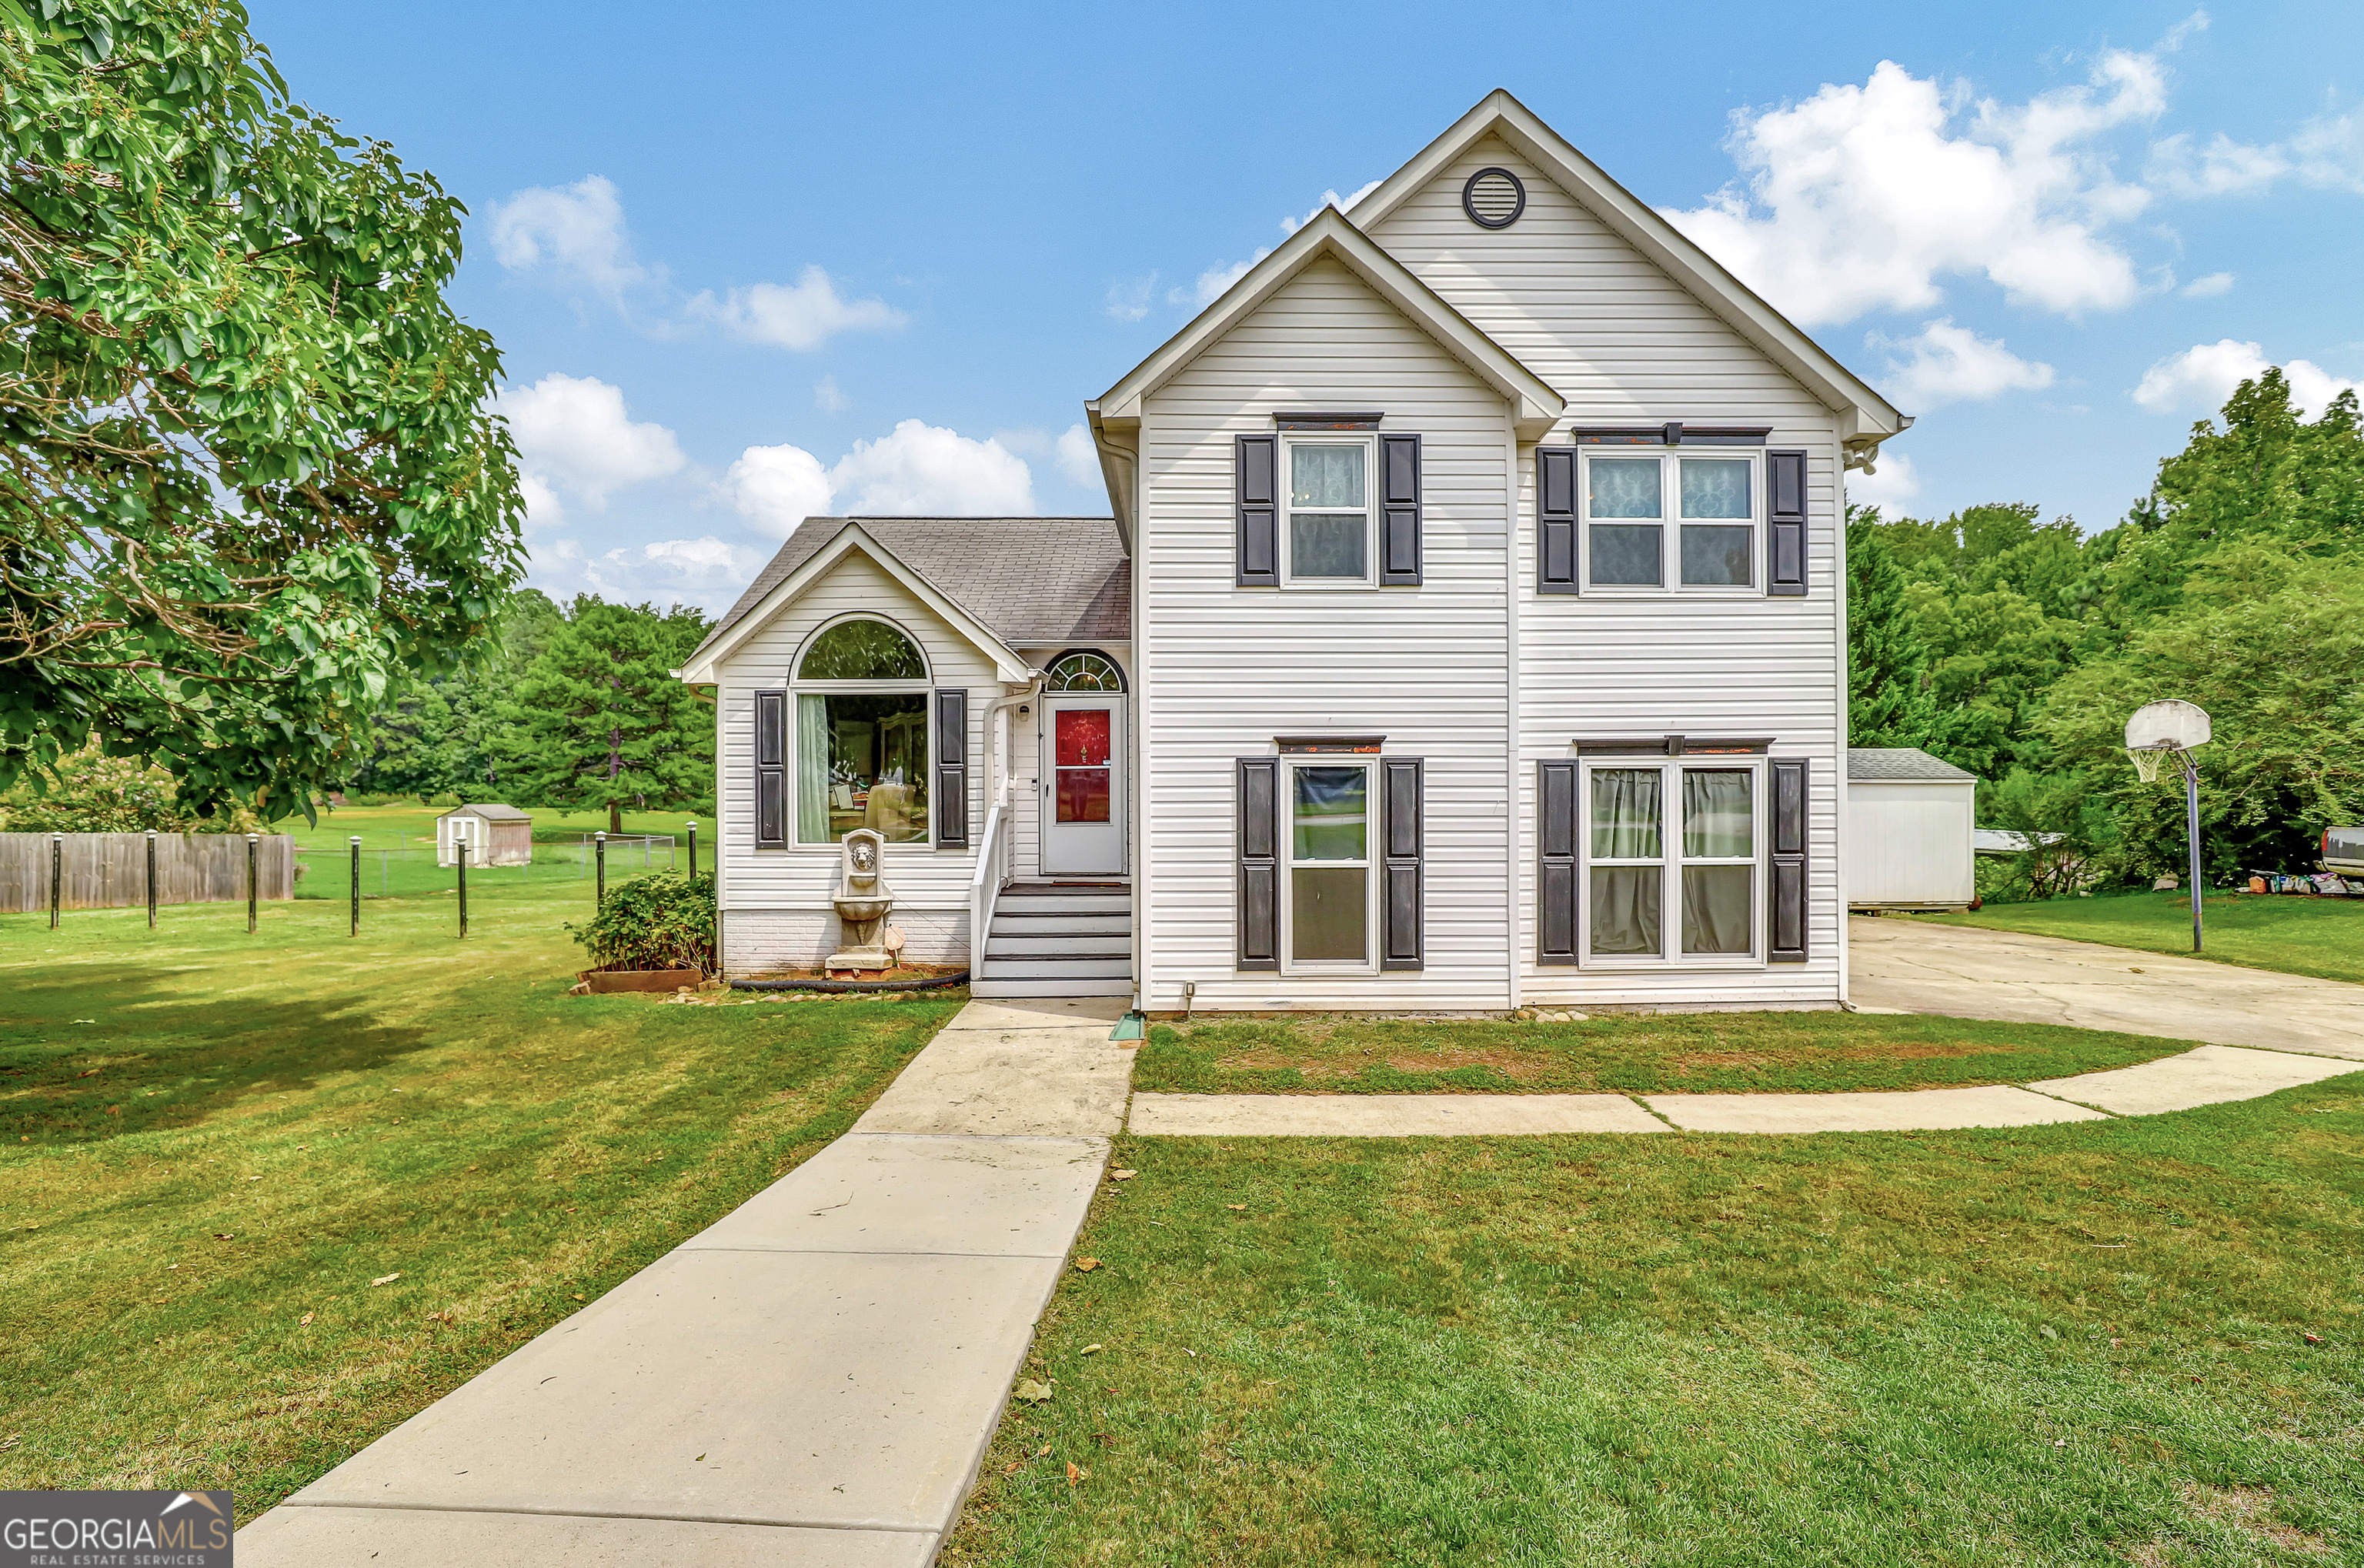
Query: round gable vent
{"points": [[1493, 198]]}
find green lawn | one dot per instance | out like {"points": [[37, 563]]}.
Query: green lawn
{"points": [[212, 1144], [2322, 937], [2082, 1344], [399, 852], [1666, 1053]]}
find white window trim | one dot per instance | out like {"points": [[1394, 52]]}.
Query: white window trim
{"points": [[922, 687], [1670, 862], [1372, 806], [1284, 485], [1671, 524]]}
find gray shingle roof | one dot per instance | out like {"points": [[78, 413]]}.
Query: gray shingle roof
{"points": [[1903, 764], [1030, 579]]}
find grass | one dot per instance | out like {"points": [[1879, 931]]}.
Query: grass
{"points": [[2321, 937], [2083, 1344], [1668, 1053], [212, 1145], [399, 852]]}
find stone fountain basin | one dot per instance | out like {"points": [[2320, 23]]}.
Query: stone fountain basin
{"points": [[863, 909]]}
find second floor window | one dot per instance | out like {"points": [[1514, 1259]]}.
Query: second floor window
{"points": [[1670, 520], [1326, 535]]}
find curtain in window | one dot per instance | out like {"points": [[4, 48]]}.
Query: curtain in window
{"points": [[1715, 908], [1625, 910], [1716, 818], [812, 770], [1625, 814]]}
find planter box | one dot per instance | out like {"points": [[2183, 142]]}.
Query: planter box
{"points": [[603, 981]]}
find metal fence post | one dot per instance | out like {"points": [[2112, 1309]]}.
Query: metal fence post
{"points": [[151, 879], [460, 850], [253, 881], [599, 853], [692, 848], [355, 841], [57, 874]]}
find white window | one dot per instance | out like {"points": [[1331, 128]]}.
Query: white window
{"points": [[1328, 902], [1328, 531], [1655, 519], [1672, 862], [862, 734]]}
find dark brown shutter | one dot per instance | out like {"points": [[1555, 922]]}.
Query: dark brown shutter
{"points": [[1786, 941], [1785, 523], [1555, 520], [1400, 858], [1259, 839], [950, 804], [1399, 512], [771, 771], [1555, 875], [1258, 501]]}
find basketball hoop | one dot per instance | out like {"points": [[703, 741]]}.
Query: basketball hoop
{"points": [[2156, 729]]}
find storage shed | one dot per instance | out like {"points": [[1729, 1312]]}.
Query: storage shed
{"points": [[497, 835], [1909, 818]]}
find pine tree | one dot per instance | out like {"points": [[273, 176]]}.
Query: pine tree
{"points": [[1888, 700], [598, 719]]}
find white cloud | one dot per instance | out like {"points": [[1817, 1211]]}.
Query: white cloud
{"points": [[1077, 458], [1328, 199], [1865, 198], [1891, 483], [800, 315], [542, 508], [922, 469], [2327, 151], [1215, 280], [575, 438], [574, 231], [1946, 363], [2208, 287], [828, 398], [917, 470], [2203, 375], [1128, 300], [777, 487], [706, 572]]}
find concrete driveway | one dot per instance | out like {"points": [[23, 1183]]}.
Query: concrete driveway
{"points": [[1918, 966]]}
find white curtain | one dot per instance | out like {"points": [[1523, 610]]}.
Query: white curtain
{"points": [[812, 769], [1716, 819]]}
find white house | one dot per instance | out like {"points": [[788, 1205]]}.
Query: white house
{"points": [[1466, 634]]}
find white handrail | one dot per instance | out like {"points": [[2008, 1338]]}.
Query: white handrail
{"points": [[985, 887]]}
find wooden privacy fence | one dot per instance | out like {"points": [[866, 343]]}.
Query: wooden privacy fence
{"points": [[109, 870]]}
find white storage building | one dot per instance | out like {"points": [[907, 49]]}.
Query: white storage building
{"points": [[1910, 818]]}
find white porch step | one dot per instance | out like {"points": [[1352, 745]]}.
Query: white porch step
{"points": [[989, 989], [1083, 902], [1102, 967], [1001, 943], [1026, 923]]}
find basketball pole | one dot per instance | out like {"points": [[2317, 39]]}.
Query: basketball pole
{"points": [[2191, 835]]}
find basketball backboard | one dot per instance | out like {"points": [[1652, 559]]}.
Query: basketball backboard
{"points": [[2173, 725]]}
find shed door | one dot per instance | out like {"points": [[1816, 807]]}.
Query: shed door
{"points": [[1082, 786]]}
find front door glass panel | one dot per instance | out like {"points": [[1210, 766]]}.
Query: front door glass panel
{"points": [[1082, 749]]}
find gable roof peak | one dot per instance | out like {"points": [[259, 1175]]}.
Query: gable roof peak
{"points": [[1866, 418]]}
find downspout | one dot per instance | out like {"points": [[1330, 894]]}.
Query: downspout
{"points": [[1514, 824], [997, 760]]}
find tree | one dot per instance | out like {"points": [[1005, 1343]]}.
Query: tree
{"points": [[2269, 642], [600, 720], [443, 736], [1888, 704], [248, 480]]}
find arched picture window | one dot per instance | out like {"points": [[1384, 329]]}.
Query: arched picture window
{"points": [[862, 735], [1083, 672]]}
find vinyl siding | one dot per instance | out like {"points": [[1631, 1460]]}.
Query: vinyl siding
{"points": [[1624, 344], [775, 903], [1226, 669]]}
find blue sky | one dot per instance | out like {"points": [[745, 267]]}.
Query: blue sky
{"points": [[746, 262]]}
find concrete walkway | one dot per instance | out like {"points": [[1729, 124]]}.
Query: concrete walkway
{"points": [[811, 1381], [2209, 1075], [1963, 971]]}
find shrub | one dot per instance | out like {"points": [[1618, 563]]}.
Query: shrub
{"points": [[653, 922]]}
